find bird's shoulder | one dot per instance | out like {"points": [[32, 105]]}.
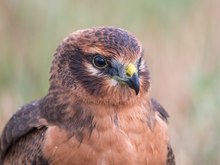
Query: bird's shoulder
{"points": [[158, 108], [164, 116], [24, 121]]}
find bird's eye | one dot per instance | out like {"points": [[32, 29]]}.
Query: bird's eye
{"points": [[99, 62]]}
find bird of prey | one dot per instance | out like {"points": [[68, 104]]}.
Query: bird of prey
{"points": [[97, 110]]}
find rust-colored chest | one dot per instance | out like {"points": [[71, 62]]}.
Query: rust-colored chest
{"points": [[129, 141]]}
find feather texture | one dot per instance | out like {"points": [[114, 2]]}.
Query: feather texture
{"points": [[84, 119]]}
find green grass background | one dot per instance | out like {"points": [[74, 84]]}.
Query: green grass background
{"points": [[181, 43]]}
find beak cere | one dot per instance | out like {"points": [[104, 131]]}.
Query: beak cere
{"points": [[133, 79]]}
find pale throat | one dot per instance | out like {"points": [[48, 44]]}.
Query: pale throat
{"points": [[113, 82]]}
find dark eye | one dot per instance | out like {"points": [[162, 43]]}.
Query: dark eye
{"points": [[99, 62]]}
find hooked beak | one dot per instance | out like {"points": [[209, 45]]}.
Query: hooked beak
{"points": [[132, 78], [129, 77]]}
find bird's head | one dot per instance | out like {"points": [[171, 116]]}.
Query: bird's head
{"points": [[100, 64]]}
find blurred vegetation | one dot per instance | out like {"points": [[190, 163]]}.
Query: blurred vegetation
{"points": [[181, 41]]}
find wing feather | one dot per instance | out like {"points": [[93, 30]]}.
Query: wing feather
{"points": [[25, 121], [170, 156], [164, 115], [157, 107]]}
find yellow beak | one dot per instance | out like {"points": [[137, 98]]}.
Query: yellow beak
{"points": [[133, 79]]}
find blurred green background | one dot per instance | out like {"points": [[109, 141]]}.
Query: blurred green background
{"points": [[181, 42]]}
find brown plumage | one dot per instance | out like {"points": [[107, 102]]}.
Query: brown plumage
{"points": [[97, 110]]}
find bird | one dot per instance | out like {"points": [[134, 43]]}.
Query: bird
{"points": [[98, 109]]}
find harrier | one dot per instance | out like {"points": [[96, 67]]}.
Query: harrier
{"points": [[97, 110]]}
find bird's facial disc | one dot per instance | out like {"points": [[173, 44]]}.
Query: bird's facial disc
{"points": [[118, 72], [129, 77]]}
